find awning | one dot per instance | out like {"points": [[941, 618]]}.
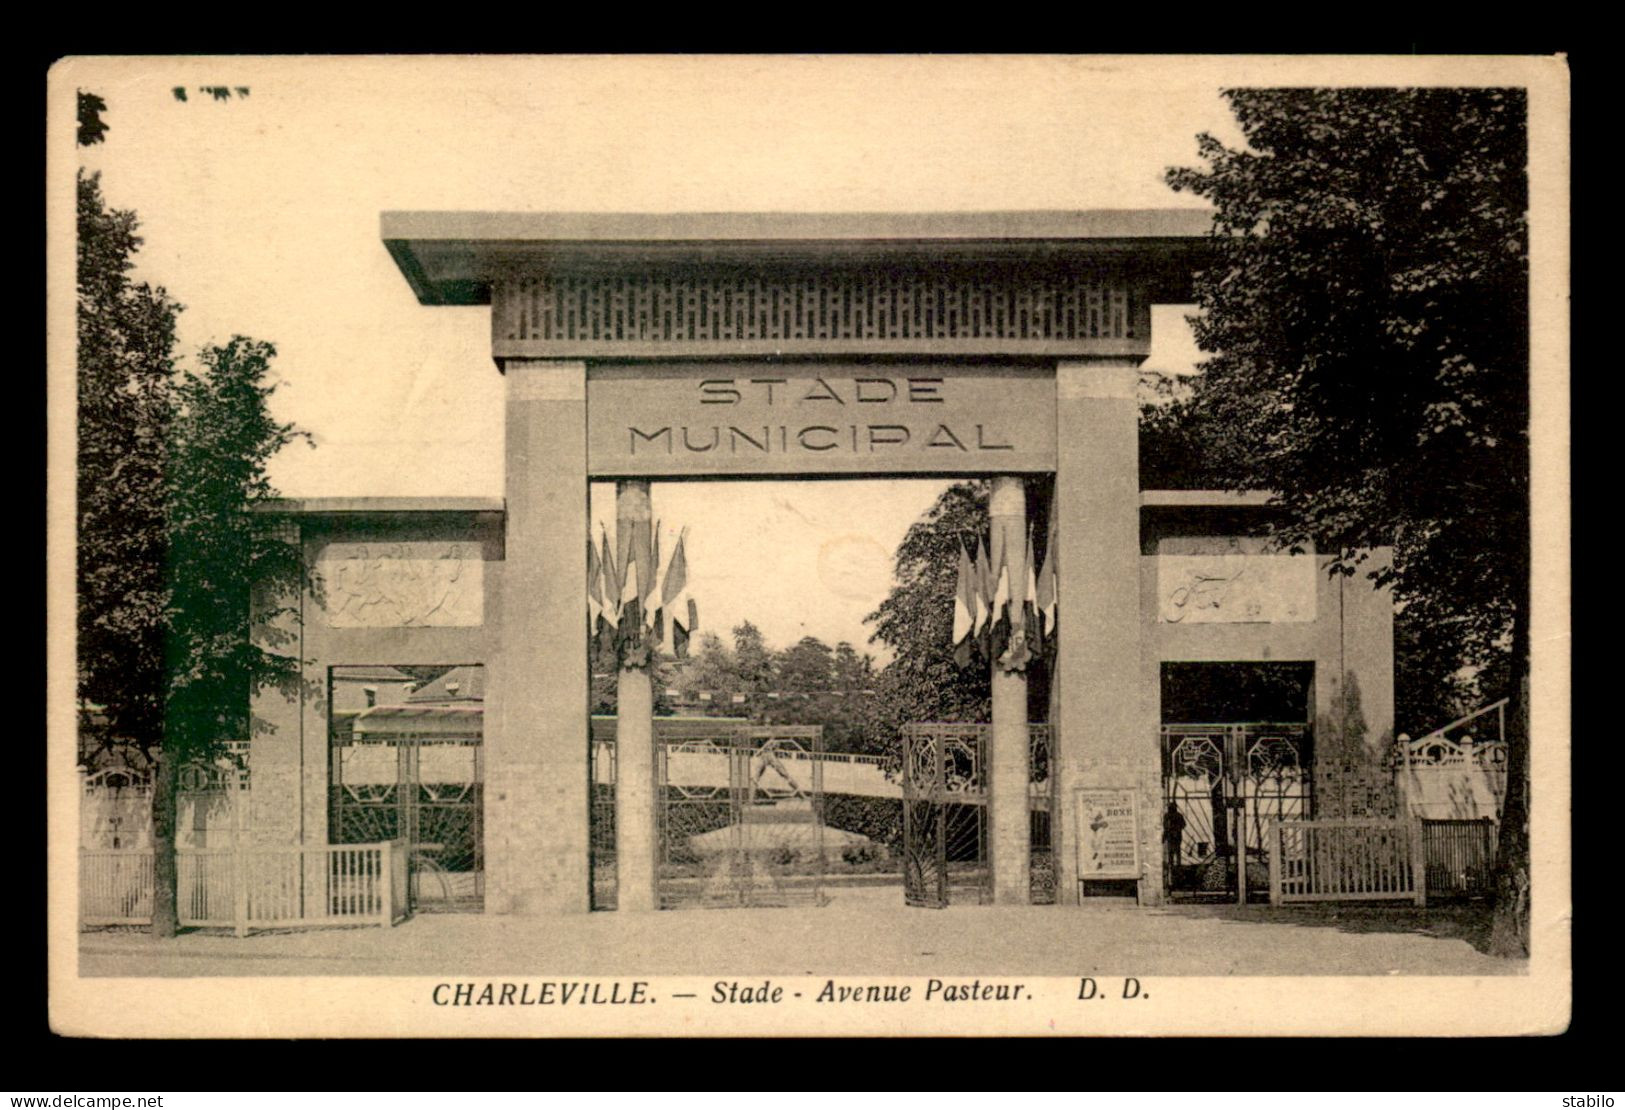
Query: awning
{"points": [[447, 724]]}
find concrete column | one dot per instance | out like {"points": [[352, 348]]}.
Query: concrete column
{"points": [[1368, 653], [536, 728], [1008, 759], [635, 833], [279, 748], [1106, 734]]}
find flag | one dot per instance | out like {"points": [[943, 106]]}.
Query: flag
{"points": [[630, 568], [1018, 651], [595, 581], [982, 634], [674, 603], [1001, 585], [610, 613], [1029, 600], [966, 606], [1000, 600], [1045, 598], [649, 583], [983, 582]]}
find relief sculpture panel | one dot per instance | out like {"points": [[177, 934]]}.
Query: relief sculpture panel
{"points": [[402, 585], [1232, 579]]}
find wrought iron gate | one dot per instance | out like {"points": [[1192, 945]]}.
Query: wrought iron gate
{"points": [[1222, 786], [601, 831], [1042, 815], [741, 818], [426, 791], [945, 856]]}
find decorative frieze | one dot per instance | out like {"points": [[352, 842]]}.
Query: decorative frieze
{"points": [[881, 310], [427, 584], [1228, 580]]}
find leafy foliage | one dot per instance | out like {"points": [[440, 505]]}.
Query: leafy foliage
{"points": [[807, 683], [922, 682], [171, 557], [126, 331], [92, 129], [1366, 312], [220, 645]]}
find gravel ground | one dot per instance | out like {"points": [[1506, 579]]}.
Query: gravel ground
{"points": [[863, 931]]}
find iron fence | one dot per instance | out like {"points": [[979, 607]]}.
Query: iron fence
{"points": [[1459, 857]]}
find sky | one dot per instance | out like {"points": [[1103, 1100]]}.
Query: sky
{"points": [[260, 214]]}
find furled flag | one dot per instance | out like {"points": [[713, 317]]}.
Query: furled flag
{"points": [[967, 604], [676, 607], [1001, 600], [982, 577], [983, 581], [611, 611], [1029, 602], [1018, 652], [649, 586], [595, 585], [1045, 597], [630, 570]]}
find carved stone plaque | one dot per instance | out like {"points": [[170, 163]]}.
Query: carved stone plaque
{"points": [[426, 584], [788, 418], [1231, 579]]}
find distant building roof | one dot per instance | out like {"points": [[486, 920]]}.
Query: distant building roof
{"points": [[460, 684], [375, 674]]}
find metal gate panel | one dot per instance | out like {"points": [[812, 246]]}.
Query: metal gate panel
{"points": [[945, 857], [1223, 785], [1042, 816], [429, 793], [740, 819]]}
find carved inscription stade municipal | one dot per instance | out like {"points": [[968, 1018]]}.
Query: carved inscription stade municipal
{"points": [[821, 421]]}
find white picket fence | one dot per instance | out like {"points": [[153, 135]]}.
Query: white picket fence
{"points": [[251, 887], [1363, 860]]}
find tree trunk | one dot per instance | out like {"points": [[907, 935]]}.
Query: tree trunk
{"points": [[165, 920], [1509, 929]]}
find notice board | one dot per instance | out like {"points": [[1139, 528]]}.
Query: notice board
{"points": [[1108, 833]]}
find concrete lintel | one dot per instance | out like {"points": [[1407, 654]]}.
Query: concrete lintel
{"points": [[1115, 377], [1204, 498], [700, 227], [320, 506], [454, 257]]}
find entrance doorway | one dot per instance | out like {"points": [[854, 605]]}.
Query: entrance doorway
{"points": [[1237, 755], [408, 764], [786, 720]]}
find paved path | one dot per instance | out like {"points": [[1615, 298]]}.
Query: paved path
{"points": [[862, 932]]}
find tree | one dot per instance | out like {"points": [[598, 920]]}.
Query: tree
{"points": [[922, 682], [753, 662], [175, 572], [711, 670], [806, 667], [92, 129], [126, 332], [226, 629], [1366, 313]]}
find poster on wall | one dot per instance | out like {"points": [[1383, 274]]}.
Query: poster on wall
{"points": [[1109, 840]]}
